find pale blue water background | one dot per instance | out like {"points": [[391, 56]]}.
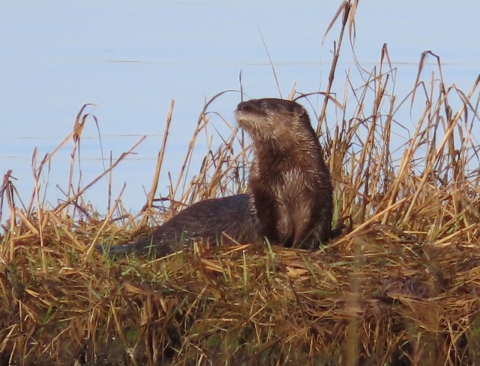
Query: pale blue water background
{"points": [[132, 58]]}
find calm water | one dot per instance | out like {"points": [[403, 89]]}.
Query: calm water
{"points": [[131, 59]]}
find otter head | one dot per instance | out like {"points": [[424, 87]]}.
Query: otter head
{"points": [[270, 119]]}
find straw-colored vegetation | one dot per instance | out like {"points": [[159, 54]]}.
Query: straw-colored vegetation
{"points": [[401, 287]]}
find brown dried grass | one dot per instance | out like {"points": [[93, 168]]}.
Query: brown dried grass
{"points": [[401, 288]]}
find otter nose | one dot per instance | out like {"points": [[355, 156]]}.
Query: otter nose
{"points": [[244, 106]]}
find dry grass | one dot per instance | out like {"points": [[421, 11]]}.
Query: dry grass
{"points": [[401, 288]]}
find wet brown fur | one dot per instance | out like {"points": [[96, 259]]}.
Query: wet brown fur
{"points": [[225, 220], [289, 181]]}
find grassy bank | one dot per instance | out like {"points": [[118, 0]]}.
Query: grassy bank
{"points": [[400, 287]]}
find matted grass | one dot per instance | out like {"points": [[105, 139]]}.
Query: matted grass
{"points": [[400, 288]]}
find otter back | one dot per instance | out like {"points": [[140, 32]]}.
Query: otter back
{"points": [[219, 220]]}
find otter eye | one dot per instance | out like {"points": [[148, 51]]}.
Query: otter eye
{"points": [[264, 105]]}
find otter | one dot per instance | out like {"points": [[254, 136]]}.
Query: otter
{"points": [[289, 200], [291, 189]]}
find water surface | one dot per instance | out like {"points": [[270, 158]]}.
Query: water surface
{"points": [[132, 59]]}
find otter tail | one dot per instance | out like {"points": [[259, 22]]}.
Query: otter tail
{"points": [[143, 247], [116, 250]]}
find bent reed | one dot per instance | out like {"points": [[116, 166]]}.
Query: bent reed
{"points": [[400, 288]]}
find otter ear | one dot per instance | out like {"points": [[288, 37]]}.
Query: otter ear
{"points": [[298, 110]]}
